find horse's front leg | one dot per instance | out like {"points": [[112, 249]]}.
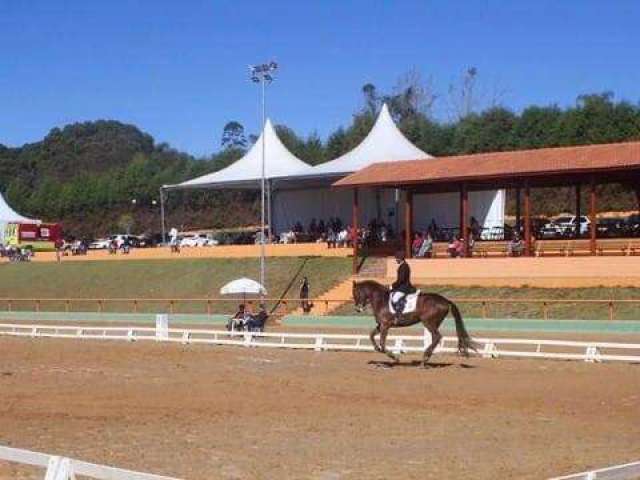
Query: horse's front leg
{"points": [[384, 330], [436, 336], [372, 337]]}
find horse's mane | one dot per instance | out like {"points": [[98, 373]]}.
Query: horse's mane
{"points": [[371, 284]]}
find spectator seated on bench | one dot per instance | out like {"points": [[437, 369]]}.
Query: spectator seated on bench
{"points": [[239, 319], [332, 238], [515, 247], [288, 237], [426, 249], [416, 244], [455, 248]]}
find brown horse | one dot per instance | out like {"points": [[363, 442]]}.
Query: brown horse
{"points": [[431, 310]]}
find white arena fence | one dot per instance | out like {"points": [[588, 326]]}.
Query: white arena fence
{"points": [[63, 468], [627, 471], [489, 347]]}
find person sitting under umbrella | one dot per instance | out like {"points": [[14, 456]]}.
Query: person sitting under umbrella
{"points": [[255, 323], [237, 322]]}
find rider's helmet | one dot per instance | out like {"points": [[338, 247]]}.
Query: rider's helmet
{"points": [[399, 256]]}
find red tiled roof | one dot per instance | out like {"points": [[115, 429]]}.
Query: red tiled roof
{"points": [[499, 165]]}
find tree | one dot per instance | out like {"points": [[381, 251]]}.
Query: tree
{"points": [[412, 97], [233, 136], [371, 99], [126, 222]]}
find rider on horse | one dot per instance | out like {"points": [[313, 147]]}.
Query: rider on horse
{"points": [[402, 286]]}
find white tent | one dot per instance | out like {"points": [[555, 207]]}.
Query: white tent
{"points": [[384, 143], [246, 172], [9, 215]]}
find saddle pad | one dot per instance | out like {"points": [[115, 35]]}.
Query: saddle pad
{"points": [[411, 301]]}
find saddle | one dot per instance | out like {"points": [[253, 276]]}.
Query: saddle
{"points": [[407, 304]]}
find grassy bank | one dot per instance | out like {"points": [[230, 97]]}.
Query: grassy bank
{"points": [[169, 279], [514, 309]]}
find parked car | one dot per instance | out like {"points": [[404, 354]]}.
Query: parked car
{"points": [[143, 241], [565, 227], [632, 225], [105, 243], [199, 240], [611, 227], [100, 244]]}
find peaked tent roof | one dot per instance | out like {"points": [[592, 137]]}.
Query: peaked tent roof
{"points": [[384, 143], [9, 215], [246, 172]]}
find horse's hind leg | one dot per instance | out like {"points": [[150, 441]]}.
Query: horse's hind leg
{"points": [[436, 336], [383, 343], [372, 336]]}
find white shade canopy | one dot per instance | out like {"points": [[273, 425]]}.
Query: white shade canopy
{"points": [[243, 286], [246, 172], [9, 215], [384, 143]]}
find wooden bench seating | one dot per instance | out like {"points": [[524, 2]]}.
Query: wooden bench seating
{"points": [[624, 246], [562, 247], [439, 249], [543, 247], [485, 249], [576, 247]]}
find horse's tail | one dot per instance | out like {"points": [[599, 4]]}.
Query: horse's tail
{"points": [[464, 339]]}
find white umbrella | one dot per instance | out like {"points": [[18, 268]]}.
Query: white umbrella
{"points": [[243, 286]]}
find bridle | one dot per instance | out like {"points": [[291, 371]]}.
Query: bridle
{"points": [[360, 303]]}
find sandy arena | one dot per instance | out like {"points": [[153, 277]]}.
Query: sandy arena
{"points": [[203, 412]]}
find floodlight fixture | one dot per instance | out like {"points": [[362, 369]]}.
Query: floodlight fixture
{"points": [[263, 72]]}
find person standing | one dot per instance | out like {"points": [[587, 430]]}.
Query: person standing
{"points": [[304, 295], [58, 245]]}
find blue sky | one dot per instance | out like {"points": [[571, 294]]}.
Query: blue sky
{"points": [[178, 69]]}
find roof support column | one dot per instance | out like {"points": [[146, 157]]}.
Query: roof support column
{"points": [[354, 223], [578, 229], [464, 218], [528, 247], [518, 212], [408, 222], [592, 215]]}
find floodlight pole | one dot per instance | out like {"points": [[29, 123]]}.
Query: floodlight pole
{"points": [[262, 183], [263, 74], [162, 216]]}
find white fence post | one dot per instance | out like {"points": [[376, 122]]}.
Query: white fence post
{"points": [[59, 468], [162, 327], [592, 355], [490, 350], [398, 346]]}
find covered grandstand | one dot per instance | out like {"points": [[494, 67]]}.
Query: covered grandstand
{"points": [[589, 165]]}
